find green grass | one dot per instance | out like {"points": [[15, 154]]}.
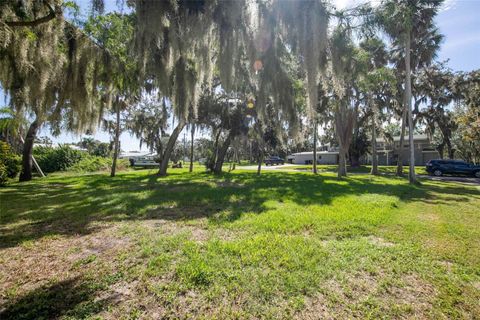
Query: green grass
{"points": [[360, 169], [282, 245]]}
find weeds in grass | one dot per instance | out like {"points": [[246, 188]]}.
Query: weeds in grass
{"points": [[282, 245]]}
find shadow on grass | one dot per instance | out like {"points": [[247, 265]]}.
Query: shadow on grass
{"points": [[71, 297], [79, 205]]}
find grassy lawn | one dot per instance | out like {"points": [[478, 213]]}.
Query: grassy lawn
{"points": [[280, 246], [360, 169]]}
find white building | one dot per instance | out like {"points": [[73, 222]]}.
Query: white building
{"points": [[387, 153], [323, 157]]}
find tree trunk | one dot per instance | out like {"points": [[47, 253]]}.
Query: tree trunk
{"points": [[342, 162], [260, 159], [355, 157], [235, 157], [116, 142], [402, 142], [159, 152], [374, 142], [408, 97], [354, 160], [213, 158], [251, 153], [344, 120], [191, 148], [315, 133], [450, 149], [26, 173], [440, 149], [221, 154], [169, 148]]}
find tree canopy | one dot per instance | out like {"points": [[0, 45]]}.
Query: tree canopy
{"points": [[287, 64]]}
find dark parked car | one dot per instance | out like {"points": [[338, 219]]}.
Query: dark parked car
{"points": [[274, 161], [458, 167]]}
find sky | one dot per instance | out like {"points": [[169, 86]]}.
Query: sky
{"points": [[459, 22]]}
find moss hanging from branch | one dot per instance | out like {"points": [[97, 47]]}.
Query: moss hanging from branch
{"points": [[305, 24], [50, 69]]}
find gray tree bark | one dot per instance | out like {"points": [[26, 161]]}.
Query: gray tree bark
{"points": [[222, 151], [315, 133], [26, 173], [402, 141], [408, 96], [191, 147], [116, 142], [169, 148], [342, 162], [374, 170], [344, 121], [260, 157]]}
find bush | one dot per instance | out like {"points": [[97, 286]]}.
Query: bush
{"points": [[3, 175], [57, 159], [10, 162], [93, 163]]}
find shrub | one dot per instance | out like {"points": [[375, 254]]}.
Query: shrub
{"points": [[9, 160], [57, 159], [93, 163], [3, 175]]}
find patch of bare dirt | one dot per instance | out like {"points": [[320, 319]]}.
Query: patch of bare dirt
{"points": [[429, 217], [172, 212], [317, 307], [172, 228], [53, 259], [476, 285], [196, 232], [416, 293], [119, 293], [380, 242], [229, 184], [143, 300], [447, 265], [342, 300], [327, 304]]}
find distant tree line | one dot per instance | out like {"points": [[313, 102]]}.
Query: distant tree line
{"points": [[249, 78]]}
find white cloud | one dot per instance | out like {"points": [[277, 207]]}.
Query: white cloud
{"points": [[458, 42], [449, 4]]}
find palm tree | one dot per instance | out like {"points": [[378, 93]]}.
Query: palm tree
{"points": [[9, 124], [424, 50], [377, 81], [406, 20], [346, 70]]}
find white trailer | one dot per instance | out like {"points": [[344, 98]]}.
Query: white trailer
{"points": [[140, 159], [323, 157]]}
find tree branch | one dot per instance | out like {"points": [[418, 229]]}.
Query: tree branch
{"points": [[52, 15]]}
